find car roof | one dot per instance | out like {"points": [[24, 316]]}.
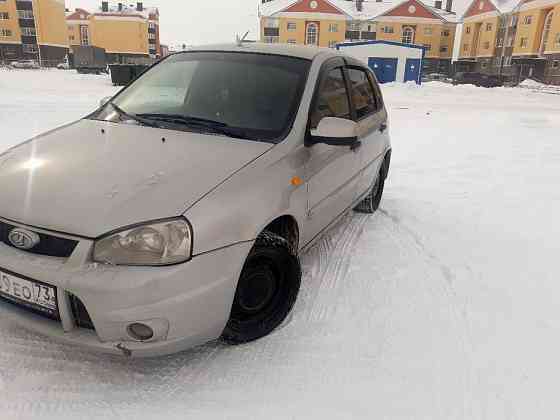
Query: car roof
{"points": [[288, 50]]}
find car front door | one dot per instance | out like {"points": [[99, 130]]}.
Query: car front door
{"points": [[332, 172], [371, 117]]}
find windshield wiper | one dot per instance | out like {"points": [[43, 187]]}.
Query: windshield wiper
{"points": [[184, 119], [215, 126], [134, 117]]}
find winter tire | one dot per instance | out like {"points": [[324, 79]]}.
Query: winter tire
{"points": [[266, 291], [370, 204]]}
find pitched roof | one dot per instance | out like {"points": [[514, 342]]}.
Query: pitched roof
{"points": [[370, 8], [506, 6], [502, 6], [450, 17], [77, 15], [127, 11]]}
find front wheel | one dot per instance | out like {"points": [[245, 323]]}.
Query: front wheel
{"points": [[266, 292]]}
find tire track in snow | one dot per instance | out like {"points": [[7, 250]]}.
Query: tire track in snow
{"points": [[454, 305], [326, 266]]}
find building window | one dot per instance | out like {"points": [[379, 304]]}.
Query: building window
{"points": [[408, 35], [291, 41], [465, 47], [555, 64], [514, 19], [72, 38], [151, 36], [271, 39], [312, 34], [30, 49], [510, 41], [546, 32], [272, 23], [25, 14], [443, 49], [388, 29], [486, 45], [483, 65], [354, 26], [427, 46], [332, 44], [5, 32], [528, 20], [445, 32], [151, 26], [507, 61], [468, 30], [488, 27], [557, 39], [500, 42], [333, 27], [291, 26], [523, 42], [28, 32], [84, 35], [4, 16], [428, 30]]}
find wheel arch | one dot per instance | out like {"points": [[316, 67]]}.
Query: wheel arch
{"points": [[386, 164], [285, 226]]}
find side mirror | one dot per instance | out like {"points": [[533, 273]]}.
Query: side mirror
{"points": [[335, 132], [103, 101]]}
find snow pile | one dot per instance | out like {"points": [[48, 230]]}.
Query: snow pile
{"points": [[442, 306], [532, 84]]}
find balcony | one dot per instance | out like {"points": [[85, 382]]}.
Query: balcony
{"points": [[271, 32]]}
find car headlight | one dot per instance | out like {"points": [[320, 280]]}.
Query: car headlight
{"points": [[155, 243]]}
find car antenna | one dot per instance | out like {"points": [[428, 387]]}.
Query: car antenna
{"points": [[240, 41]]}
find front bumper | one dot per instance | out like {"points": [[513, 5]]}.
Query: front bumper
{"points": [[186, 304]]}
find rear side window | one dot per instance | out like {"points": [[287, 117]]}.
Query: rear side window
{"points": [[362, 93], [332, 100]]}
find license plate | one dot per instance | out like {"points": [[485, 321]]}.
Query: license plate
{"points": [[32, 294]]}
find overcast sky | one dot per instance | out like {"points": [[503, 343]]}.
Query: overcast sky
{"points": [[196, 22]]}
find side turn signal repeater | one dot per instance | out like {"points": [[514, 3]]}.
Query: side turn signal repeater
{"points": [[297, 181]]}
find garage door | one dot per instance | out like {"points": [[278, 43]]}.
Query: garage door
{"points": [[412, 70], [385, 68]]}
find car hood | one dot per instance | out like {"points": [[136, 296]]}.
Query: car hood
{"points": [[92, 177]]}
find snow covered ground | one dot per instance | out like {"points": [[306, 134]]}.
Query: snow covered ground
{"points": [[443, 305]]}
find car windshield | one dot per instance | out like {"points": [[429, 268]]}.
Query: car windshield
{"points": [[242, 95]]}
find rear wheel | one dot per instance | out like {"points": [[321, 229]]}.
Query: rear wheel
{"points": [[370, 204], [266, 292]]}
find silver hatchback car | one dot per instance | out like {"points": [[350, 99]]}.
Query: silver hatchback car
{"points": [[174, 214]]}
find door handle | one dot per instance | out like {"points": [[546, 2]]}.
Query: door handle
{"points": [[383, 127], [356, 145]]}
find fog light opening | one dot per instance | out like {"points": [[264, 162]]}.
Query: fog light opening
{"points": [[140, 332]]}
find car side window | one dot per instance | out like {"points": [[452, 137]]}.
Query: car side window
{"points": [[362, 93], [332, 100], [377, 92]]}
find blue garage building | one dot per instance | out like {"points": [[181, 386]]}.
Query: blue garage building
{"points": [[391, 61]]}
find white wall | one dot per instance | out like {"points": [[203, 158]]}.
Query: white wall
{"points": [[364, 52]]}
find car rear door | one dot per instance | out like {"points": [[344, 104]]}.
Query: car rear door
{"points": [[371, 117], [332, 171]]}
